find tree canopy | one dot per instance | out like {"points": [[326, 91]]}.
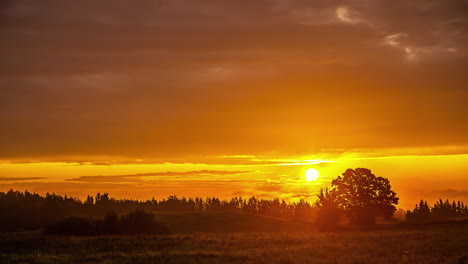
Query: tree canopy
{"points": [[362, 196]]}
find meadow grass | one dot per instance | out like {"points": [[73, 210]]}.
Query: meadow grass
{"points": [[425, 244]]}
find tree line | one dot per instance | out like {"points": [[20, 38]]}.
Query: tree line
{"points": [[27, 211], [135, 223], [357, 196], [440, 210]]}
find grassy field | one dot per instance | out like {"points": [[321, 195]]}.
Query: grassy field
{"points": [[425, 244]]}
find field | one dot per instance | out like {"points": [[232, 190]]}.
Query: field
{"points": [[425, 244]]}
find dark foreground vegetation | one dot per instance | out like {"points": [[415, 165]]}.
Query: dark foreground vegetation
{"points": [[136, 223], [30, 211], [101, 229], [358, 197], [396, 244], [440, 210]]}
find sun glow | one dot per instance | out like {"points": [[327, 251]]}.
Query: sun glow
{"points": [[311, 174]]}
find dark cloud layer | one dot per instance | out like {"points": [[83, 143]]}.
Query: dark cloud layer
{"points": [[181, 78]]}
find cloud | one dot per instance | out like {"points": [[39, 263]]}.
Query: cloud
{"points": [[395, 39], [20, 179], [184, 78], [345, 15], [140, 176], [134, 190]]}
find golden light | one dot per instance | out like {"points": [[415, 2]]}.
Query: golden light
{"points": [[311, 174]]}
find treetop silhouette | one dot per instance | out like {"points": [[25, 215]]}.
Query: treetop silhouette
{"points": [[361, 196]]}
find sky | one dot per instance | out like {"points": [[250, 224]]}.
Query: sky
{"points": [[224, 98]]}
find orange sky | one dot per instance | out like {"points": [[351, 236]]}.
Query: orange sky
{"points": [[215, 97]]}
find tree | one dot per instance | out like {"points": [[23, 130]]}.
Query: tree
{"points": [[440, 210], [364, 196], [328, 211]]}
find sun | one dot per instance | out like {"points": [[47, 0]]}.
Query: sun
{"points": [[311, 174]]}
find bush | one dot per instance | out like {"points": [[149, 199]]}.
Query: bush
{"points": [[136, 223], [73, 226], [328, 218], [111, 224], [140, 222], [329, 213], [363, 216]]}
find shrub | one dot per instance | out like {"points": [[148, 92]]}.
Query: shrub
{"points": [[140, 222], [136, 223], [329, 213], [73, 226]]}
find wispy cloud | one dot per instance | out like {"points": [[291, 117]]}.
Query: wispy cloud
{"points": [[139, 177], [346, 15], [20, 179]]}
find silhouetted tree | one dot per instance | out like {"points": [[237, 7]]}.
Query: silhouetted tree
{"points": [[423, 211], [328, 210], [303, 210], [364, 196], [440, 210]]}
